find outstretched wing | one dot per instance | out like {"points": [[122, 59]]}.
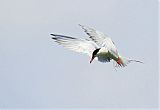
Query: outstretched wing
{"points": [[101, 39], [77, 45]]}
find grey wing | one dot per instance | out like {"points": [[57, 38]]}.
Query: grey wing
{"points": [[101, 39], [96, 36], [74, 44]]}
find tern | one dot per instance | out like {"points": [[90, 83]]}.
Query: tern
{"points": [[99, 46]]}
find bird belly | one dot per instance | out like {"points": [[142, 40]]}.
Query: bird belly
{"points": [[103, 57]]}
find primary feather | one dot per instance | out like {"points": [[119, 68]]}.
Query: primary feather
{"points": [[74, 44], [100, 39]]}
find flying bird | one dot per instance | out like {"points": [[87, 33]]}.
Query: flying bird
{"points": [[99, 46]]}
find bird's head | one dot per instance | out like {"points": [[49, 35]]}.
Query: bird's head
{"points": [[94, 54]]}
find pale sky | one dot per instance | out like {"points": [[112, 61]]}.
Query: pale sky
{"points": [[35, 72]]}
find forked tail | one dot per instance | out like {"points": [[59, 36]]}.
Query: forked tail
{"points": [[125, 61]]}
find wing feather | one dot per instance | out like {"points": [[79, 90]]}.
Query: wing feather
{"points": [[100, 39], [74, 44]]}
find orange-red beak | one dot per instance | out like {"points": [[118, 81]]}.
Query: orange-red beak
{"points": [[92, 59]]}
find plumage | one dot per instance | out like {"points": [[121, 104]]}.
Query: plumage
{"points": [[100, 39], [74, 44], [98, 46]]}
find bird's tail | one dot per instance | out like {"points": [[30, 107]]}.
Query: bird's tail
{"points": [[125, 61]]}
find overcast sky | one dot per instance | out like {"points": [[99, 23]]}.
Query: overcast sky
{"points": [[35, 72]]}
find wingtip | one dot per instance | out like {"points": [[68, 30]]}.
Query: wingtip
{"points": [[82, 26], [52, 34], [53, 37], [79, 24]]}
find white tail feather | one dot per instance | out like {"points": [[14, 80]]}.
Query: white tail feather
{"points": [[125, 62]]}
